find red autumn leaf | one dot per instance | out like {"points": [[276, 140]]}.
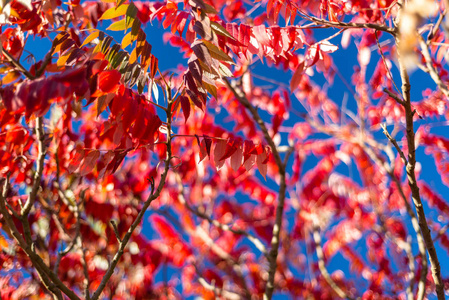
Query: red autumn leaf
{"points": [[78, 157], [205, 148], [237, 156], [89, 162], [262, 160], [185, 105], [231, 147], [108, 81], [296, 78]]}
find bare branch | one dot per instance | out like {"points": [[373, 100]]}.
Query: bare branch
{"points": [[430, 67], [114, 226], [16, 63], [85, 270], [411, 177], [379, 27], [394, 142], [322, 266], [275, 241], [394, 96], [436, 26], [40, 134], [386, 65]]}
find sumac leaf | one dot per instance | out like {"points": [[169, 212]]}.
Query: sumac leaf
{"points": [[89, 162], [185, 105], [114, 12], [217, 53], [90, 37], [108, 81]]}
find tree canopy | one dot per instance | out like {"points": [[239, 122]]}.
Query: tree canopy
{"points": [[299, 149]]}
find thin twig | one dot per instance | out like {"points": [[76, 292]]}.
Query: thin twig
{"points": [[394, 142], [441, 232], [85, 270], [333, 24], [385, 63], [16, 63], [430, 67], [40, 135], [436, 26], [114, 226], [394, 96], [322, 266]]}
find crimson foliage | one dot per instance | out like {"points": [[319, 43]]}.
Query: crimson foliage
{"points": [[95, 135]]}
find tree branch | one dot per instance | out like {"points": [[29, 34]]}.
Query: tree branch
{"points": [[384, 60], [379, 27], [431, 69], [275, 240], [411, 177], [40, 134], [322, 265], [394, 142], [154, 194], [414, 221], [16, 63], [44, 272]]}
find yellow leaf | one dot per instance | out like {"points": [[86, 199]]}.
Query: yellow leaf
{"points": [[63, 59], [114, 12], [117, 26], [91, 37], [127, 40], [133, 56]]}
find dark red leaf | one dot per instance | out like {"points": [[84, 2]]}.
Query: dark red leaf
{"points": [[185, 105]]}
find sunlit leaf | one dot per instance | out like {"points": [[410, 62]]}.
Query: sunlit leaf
{"points": [[117, 26], [108, 80], [91, 37], [217, 53], [114, 12]]}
